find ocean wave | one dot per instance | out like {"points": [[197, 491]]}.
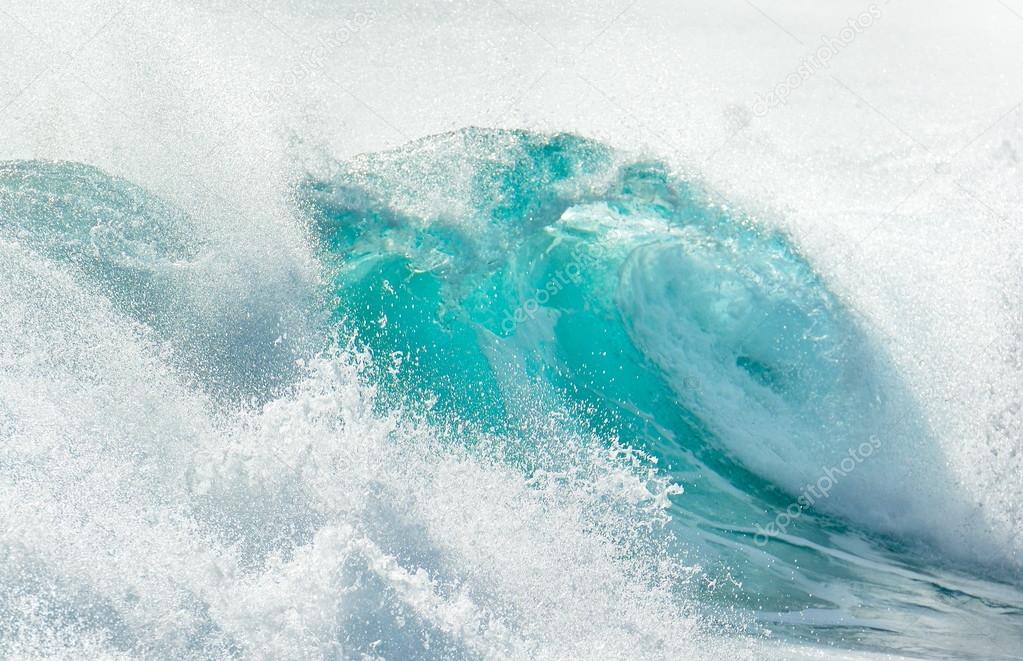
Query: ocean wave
{"points": [[538, 398]]}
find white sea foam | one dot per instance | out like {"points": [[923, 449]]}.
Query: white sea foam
{"points": [[109, 454]]}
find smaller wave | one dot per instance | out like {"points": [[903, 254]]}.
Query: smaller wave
{"points": [[190, 282]]}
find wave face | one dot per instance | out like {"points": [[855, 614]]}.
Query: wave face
{"points": [[490, 264], [510, 275], [534, 398]]}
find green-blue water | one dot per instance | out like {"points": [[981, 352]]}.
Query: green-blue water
{"points": [[525, 288], [505, 277]]}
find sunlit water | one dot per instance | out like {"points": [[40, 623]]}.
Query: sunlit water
{"points": [[488, 393]]}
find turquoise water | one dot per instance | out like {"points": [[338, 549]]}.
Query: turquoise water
{"points": [[513, 292], [505, 277]]}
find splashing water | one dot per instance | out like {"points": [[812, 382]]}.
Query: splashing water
{"points": [[487, 394], [544, 341]]}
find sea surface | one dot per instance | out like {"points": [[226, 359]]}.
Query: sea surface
{"points": [[433, 330]]}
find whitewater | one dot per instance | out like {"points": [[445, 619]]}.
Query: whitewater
{"points": [[616, 329]]}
